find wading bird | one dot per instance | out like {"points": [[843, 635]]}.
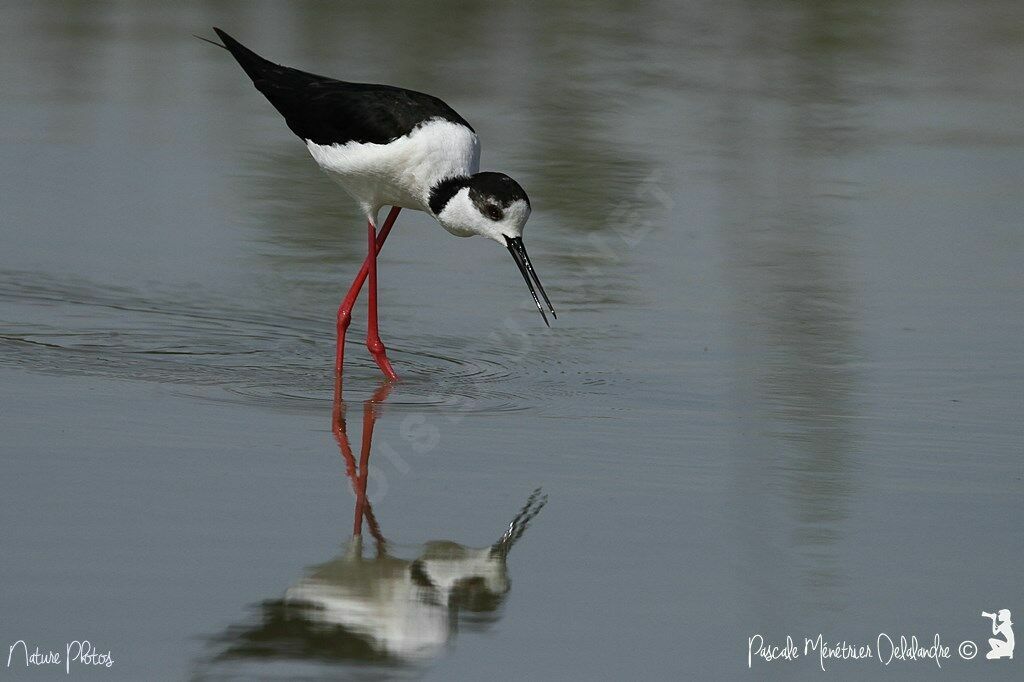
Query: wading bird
{"points": [[386, 607], [387, 146]]}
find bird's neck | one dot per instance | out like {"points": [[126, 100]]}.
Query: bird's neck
{"points": [[443, 190]]}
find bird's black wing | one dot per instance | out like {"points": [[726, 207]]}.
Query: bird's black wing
{"points": [[328, 111]]}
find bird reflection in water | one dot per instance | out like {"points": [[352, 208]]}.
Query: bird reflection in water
{"points": [[380, 608]]}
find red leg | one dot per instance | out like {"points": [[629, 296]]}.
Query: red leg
{"points": [[373, 342], [359, 474], [345, 309], [370, 413], [364, 463], [351, 470]]}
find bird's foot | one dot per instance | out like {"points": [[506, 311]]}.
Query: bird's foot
{"points": [[379, 353], [385, 366]]}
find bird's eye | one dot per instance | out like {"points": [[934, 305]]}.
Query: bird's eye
{"points": [[494, 213]]}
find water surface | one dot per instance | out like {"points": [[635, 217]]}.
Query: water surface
{"points": [[783, 394]]}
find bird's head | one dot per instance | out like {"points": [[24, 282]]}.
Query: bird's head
{"points": [[492, 205]]}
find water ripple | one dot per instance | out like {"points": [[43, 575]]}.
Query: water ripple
{"points": [[264, 355]]}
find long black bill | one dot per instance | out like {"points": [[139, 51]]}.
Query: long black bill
{"points": [[518, 251]]}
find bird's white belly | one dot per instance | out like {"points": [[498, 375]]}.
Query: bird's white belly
{"points": [[401, 172]]}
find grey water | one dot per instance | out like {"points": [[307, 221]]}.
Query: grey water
{"points": [[783, 395]]}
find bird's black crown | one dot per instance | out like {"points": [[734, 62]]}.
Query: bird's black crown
{"points": [[496, 187], [488, 189]]}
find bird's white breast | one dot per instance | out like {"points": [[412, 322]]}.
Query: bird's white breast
{"points": [[401, 172]]}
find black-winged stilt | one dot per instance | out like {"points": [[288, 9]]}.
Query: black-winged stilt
{"points": [[387, 146]]}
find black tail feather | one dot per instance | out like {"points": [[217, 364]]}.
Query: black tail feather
{"points": [[207, 40], [253, 64]]}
